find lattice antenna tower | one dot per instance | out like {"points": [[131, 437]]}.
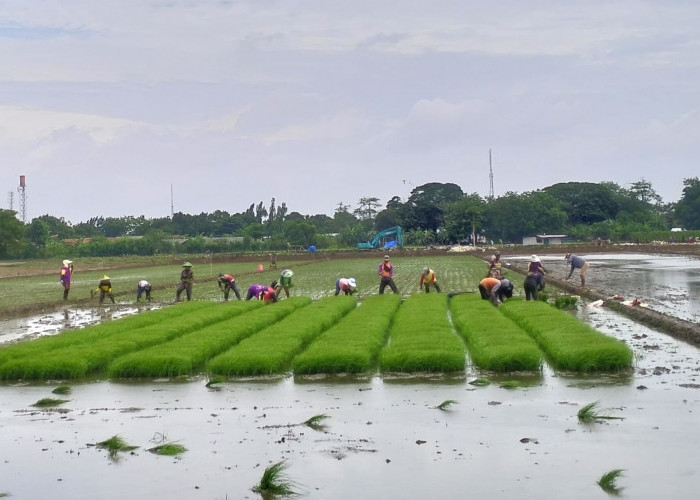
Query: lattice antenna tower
{"points": [[491, 194], [22, 190]]}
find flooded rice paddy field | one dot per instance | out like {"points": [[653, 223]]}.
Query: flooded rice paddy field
{"points": [[384, 438]]}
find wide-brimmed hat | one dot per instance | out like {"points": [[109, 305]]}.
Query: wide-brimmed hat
{"points": [[386, 257], [352, 283], [187, 264], [67, 262], [105, 277], [534, 258]]}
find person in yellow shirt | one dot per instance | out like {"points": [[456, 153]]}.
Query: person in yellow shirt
{"points": [[428, 278], [105, 289]]}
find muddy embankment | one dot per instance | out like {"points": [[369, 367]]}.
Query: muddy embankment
{"points": [[686, 331]]}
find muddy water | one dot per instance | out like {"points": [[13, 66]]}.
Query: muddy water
{"points": [[384, 438]]}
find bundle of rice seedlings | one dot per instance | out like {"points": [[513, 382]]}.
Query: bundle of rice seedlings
{"points": [[275, 481], [62, 389], [49, 402], [316, 422], [446, 405], [591, 413], [168, 449], [608, 481], [114, 445]]}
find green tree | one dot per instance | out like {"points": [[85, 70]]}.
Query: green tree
{"points": [[367, 208], [464, 217], [687, 210], [11, 230], [38, 232], [585, 202], [300, 232], [58, 227]]}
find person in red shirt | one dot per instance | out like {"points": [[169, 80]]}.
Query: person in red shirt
{"points": [[228, 283]]}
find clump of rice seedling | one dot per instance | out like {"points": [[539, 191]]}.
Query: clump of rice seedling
{"points": [[4, 494], [445, 405], [316, 422], [480, 382], [49, 402], [114, 445], [511, 384], [216, 379], [565, 302], [62, 389], [608, 481], [590, 413], [274, 481], [168, 449], [543, 296]]}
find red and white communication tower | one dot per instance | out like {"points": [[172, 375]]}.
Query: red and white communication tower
{"points": [[22, 190]]}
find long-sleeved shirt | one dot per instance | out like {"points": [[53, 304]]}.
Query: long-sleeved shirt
{"points": [[428, 278], [576, 262], [386, 270], [186, 275], [65, 275]]}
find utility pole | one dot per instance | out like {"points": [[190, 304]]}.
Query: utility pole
{"points": [[172, 204], [490, 177]]}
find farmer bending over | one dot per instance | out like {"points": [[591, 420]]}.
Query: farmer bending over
{"points": [[346, 285], [496, 290], [577, 263], [428, 278], [143, 286], [228, 283]]}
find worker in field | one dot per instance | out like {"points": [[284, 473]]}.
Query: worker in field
{"points": [[531, 287], [186, 281], [535, 268], [386, 272], [105, 289], [273, 261], [427, 278], [496, 290], [143, 287], [262, 292], [285, 282], [66, 276], [577, 262], [495, 264], [226, 284], [346, 285]]}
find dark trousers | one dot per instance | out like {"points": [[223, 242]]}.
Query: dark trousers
{"points": [[228, 288], [141, 290], [387, 282], [104, 293], [187, 287], [427, 287], [530, 287]]}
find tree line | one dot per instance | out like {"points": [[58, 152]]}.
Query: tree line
{"points": [[434, 213]]}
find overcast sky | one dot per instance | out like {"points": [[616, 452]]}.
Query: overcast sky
{"points": [[106, 104]]}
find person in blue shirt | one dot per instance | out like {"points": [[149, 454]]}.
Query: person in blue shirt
{"points": [[577, 263]]}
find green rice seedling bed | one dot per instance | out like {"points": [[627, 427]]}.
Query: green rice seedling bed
{"points": [[353, 345], [188, 353], [569, 343], [494, 341], [422, 339], [97, 333], [272, 350], [91, 359]]}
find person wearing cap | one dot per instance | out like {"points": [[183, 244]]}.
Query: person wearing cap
{"points": [[346, 285], [143, 286], [386, 271], [577, 262], [428, 278], [105, 289], [496, 290], [65, 277], [495, 270], [186, 280], [536, 269], [228, 283], [285, 282]]}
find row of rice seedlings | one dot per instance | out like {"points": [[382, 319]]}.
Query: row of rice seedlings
{"points": [[569, 343], [422, 339], [83, 360], [494, 342], [93, 333], [353, 345], [272, 350], [188, 353]]}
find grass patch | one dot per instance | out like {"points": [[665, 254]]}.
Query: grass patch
{"points": [[422, 339], [569, 343], [608, 481], [273, 349], [566, 302], [480, 382], [275, 482], [62, 389], [353, 345], [592, 413], [50, 402], [168, 449], [494, 341]]}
